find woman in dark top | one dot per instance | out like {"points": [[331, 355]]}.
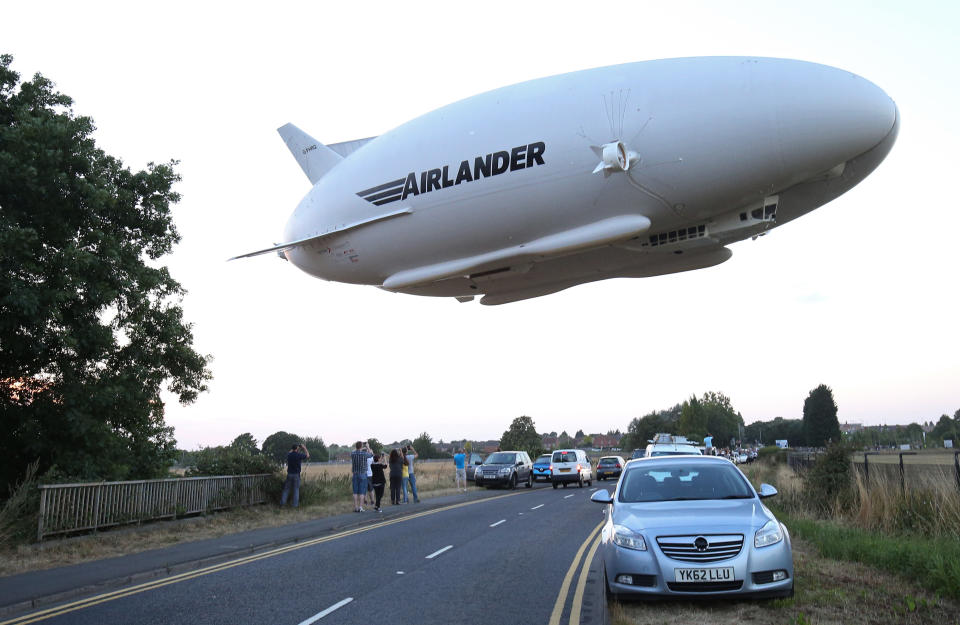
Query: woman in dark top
{"points": [[379, 481], [396, 473]]}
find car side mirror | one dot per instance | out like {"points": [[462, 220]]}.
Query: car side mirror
{"points": [[519, 463], [477, 462], [766, 491], [601, 496]]}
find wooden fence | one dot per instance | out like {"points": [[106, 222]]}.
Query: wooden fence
{"points": [[66, 508]]}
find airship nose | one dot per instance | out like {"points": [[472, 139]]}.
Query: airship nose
{"points": [[828, 116]]}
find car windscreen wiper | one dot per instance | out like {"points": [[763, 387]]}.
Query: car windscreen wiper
{"points": [[736, 497]]}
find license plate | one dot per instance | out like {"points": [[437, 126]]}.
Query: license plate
{"points": [[564, 470], [724, 574]]}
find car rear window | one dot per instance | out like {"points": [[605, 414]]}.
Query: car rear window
{"points": [[673, 483], [606, 461], [564, 456]]}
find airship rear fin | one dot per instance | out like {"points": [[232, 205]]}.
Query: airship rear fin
{"points": [[281, 247], [314, 158]]}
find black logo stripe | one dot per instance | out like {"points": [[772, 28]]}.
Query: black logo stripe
{"points": [[392, 198], [395, 183], [387, 193]]}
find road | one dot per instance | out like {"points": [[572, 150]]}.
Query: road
{"points": [[514, 558]]}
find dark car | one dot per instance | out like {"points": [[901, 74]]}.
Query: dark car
{"points": [[472, 464], [505, 468], [610, 466], [541, 468]]}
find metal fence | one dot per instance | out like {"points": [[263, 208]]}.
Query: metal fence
{"points": [[66, 508]]}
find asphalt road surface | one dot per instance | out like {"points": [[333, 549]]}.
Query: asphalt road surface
{"points": [[515, 558]]}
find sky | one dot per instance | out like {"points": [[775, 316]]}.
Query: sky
{"points": [[861, 295]]}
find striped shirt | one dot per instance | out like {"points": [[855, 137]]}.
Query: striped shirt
{"points": [[358, 460]]}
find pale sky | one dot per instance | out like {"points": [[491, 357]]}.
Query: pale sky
{"points": [[862, 294]]}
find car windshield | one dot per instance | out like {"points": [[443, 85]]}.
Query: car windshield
{"points": [[544, 459], [564, 456], [680, 483], [501, 458]]}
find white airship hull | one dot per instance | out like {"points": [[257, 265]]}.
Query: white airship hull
{"points": [[626, 171]]}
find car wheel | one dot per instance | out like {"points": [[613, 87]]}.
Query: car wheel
{"points": [[565, 484], [555, 485], [599, 479], [529, 481], [580, 482], [513, 481]]}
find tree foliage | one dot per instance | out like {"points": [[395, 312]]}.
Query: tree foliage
{"points": [[522, 436], [278, 444], [91, 327], [642, 429], [425, 447], [820, 421], [231, 460]]}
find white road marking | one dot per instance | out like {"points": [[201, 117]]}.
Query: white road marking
{"points": [[568, 496], [399, 572], [535, 507], [436, 553], [320, 615], [592, 489], [498, 522]]}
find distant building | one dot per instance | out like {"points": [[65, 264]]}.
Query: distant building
{"points": [[850, 428], [604, 441], [549, 442]]}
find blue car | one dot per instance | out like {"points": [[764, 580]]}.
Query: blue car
{"points": [[541, 468]]}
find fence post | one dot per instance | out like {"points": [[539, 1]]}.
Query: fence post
{"points": [[866, 468], [43, 509], [96, 507], [956, 466], [902, 482]]}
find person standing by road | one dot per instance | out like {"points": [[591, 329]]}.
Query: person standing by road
{"points": [[411, 456], [368, 496], [708, 444], [378, 479], [358, 463], [396, 476], [459, 460], [298, 453]]}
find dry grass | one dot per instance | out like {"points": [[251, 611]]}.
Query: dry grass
{"points": [[827, 592], [433, 480]]}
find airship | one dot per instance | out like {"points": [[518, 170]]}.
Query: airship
{"points": [[628, 171]]}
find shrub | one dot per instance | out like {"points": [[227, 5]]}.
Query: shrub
{"points": [[828, 485], [230, 461]]}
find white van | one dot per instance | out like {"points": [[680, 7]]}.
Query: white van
{"points": [[570, 466]]}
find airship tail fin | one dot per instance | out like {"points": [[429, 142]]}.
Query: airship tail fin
{"points": [[314, 158]]}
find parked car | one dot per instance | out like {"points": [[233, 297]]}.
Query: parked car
{"points": [[609, 466], [505, 468], [670, 445], [692, 526], [472, 463], [570, 466], [541, 468]]}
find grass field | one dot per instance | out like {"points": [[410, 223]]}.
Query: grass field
{"points": [[923, 456]]}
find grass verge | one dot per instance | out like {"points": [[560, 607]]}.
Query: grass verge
{"points": [[932, 562]]}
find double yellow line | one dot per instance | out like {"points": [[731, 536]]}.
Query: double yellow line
{"points": [[568, 579], [33, 617]]}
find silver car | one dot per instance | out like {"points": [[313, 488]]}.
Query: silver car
{"points": [[692, 526]]}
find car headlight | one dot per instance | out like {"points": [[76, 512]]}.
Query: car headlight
{"points": [[504, 470], [769, 534], [628, 539]]}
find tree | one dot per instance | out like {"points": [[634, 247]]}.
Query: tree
{"points": [[91, 326], [522, 436], [643, 429], [820, 417], [246, 443], [693, 419], [278, 444], [425, 447], [318, 451]]}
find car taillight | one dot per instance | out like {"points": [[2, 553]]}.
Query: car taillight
{"points": [[618, 465], [578, 467], [551, 468]]}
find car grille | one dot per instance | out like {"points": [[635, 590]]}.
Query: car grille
{"points": [[704, 586], [684, 548]]}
